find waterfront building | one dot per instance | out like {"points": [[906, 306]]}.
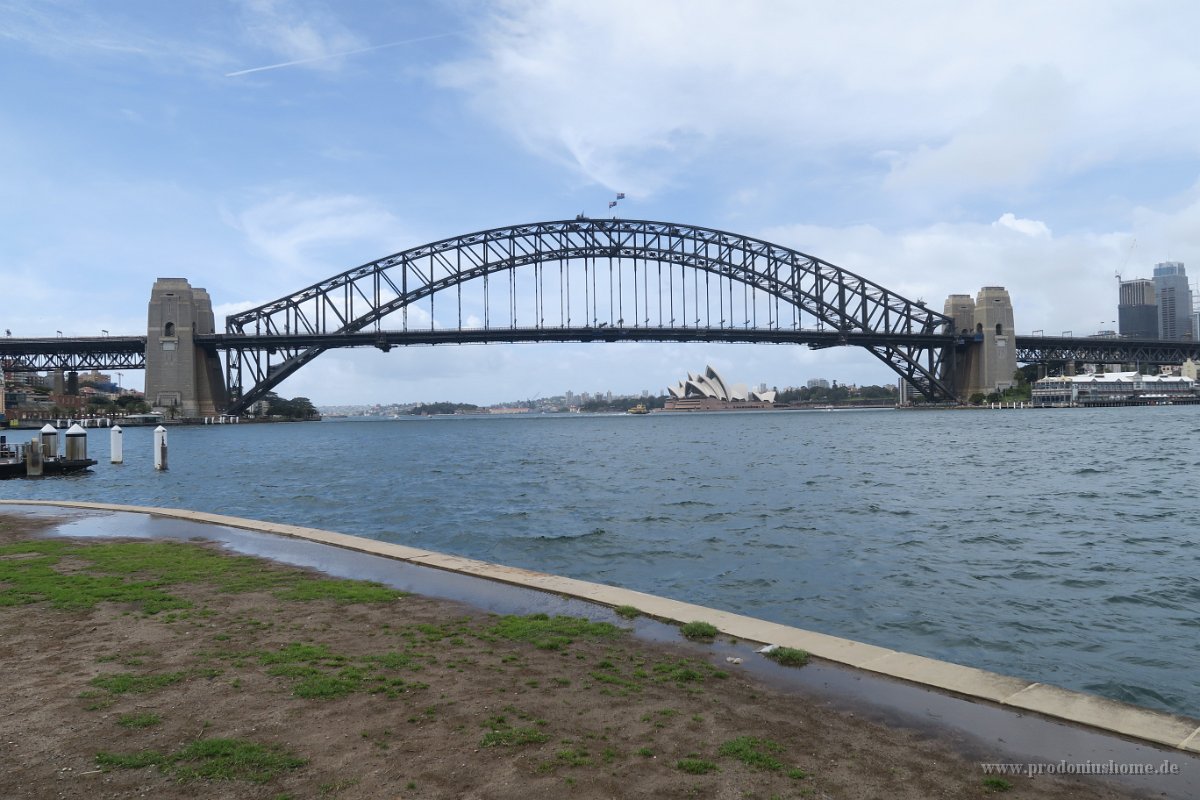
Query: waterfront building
{"points": [[1174, 301], [1114, 389], [710, 392], [1137, 309]]}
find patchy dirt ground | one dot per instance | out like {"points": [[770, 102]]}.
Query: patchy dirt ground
{"points": [[260, 687]]}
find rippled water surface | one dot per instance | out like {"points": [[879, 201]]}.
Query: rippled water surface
{"points": [[1056, 545]]}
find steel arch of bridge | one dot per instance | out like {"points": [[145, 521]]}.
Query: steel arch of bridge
{"points": [[267, 344]]}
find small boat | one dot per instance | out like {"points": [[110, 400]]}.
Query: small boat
{"points": [[639, 409], [13, 461]]}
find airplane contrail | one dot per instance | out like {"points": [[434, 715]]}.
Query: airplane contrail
{"points": [[339, 55]]}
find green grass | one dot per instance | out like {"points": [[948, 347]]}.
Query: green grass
{"points": [[684, 671], [133, 683], [30, 573], [318, 673], [511, 737], [573, 757], [753, 752], [627, 612], [552, 633], [699, 631], [994, 784], [210, 759], [788, 656], [139, 573], [343, 591], [501, 733], [129, 683], [696, 766], [135, 721]]}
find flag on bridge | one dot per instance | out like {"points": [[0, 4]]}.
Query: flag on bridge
{"points": [[620, 195], [612, 203]]}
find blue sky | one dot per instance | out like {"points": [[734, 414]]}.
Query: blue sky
{"points": [[934, 147]]}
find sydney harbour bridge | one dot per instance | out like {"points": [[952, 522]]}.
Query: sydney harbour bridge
{"points": [[581, 280]]}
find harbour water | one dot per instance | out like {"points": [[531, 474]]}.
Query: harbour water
{"points": [[1060, 546]]}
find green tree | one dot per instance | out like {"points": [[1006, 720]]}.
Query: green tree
{"points": [[297, 408]]}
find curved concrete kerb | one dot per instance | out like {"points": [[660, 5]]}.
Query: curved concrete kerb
{"points": [[1144, 724]]}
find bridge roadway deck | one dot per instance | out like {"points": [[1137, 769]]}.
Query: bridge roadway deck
{"points": [[987, 709], [43, 354], [48, 354], [598, 333]]}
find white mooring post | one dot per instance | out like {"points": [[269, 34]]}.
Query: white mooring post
{"points": [[49, 441], [75, 443], [160, 448], [116, 444]]}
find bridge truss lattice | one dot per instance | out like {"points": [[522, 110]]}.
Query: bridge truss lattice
{"points": [[589, 280]]}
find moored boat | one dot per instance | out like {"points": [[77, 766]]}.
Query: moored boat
{"points": [[14, 460]]}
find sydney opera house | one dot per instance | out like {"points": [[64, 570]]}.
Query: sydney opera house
{"points": [[710, 392]]}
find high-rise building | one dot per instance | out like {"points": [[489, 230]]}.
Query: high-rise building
{"points": [[1137, 309], [1174, 301]]}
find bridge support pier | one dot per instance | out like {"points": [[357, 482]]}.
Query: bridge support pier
{"points": [[985, 323], [183, 379]]}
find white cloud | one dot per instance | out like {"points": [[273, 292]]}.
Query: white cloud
{"points": [[312, 237], [72, 31], [1029, 227], [301, 32], [1011, 143], [1057, 283], [968, 95]]}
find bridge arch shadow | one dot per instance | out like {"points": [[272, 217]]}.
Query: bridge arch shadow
{"points": [[589, 280]]}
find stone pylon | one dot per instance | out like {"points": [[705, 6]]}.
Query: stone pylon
{"points": [[183, 379], [987, 363], [997, 356]]}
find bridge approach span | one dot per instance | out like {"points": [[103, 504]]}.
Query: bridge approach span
{"points": [[77, 354], [589, 280]]}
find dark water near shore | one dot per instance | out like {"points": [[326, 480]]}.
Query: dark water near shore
{"points": [[1057, 545]]}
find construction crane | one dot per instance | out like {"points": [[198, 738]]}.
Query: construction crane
{"points": [[1125, 262]]}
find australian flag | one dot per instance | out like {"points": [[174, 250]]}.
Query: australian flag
{"points": [[612, 203], [620, 195]]}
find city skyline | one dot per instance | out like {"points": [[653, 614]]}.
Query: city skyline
{"points": [[257, 147], [1162, 307]]}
